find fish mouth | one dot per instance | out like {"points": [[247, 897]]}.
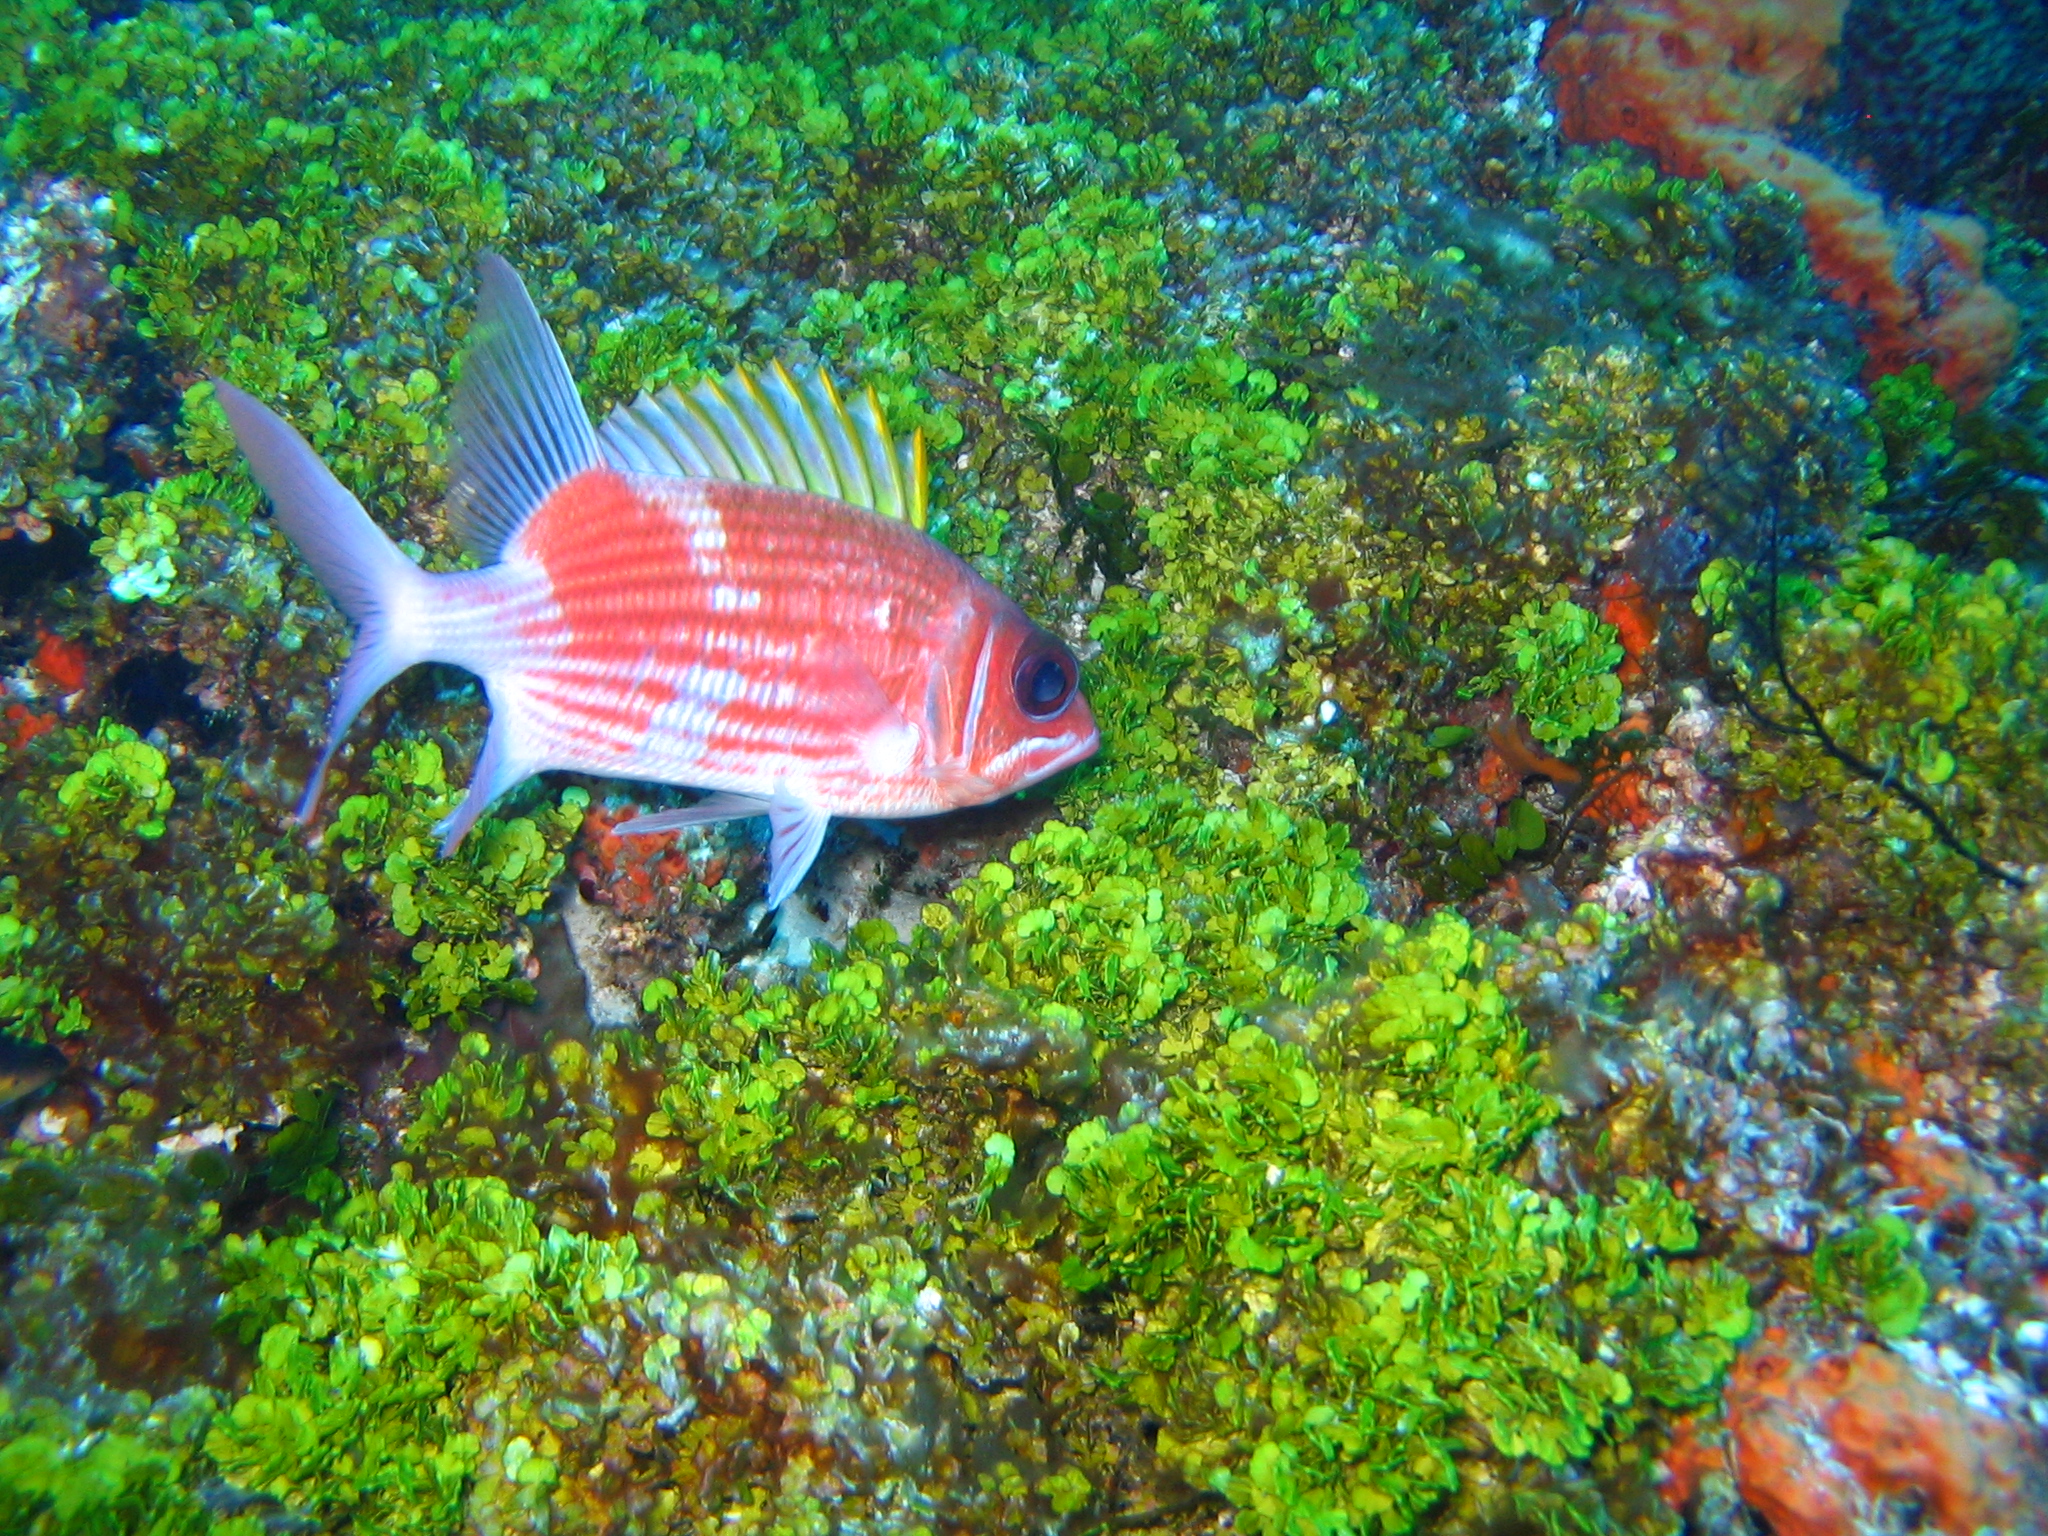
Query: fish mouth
{"points": [[1079, 751]]}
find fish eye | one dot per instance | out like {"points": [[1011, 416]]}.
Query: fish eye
{"points": [[1043, 681]]}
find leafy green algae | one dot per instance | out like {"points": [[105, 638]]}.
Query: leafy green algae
{"points": [[115, 800], [1873, 1264], [110, 1264], [1320, 1220], [1932, 676], [1564, 660], [1329, 1269], [1245, 1176], [373, 1333], [1160, 903], [115, 901], [463, 905], [55, 1482], [1300, 1243]]}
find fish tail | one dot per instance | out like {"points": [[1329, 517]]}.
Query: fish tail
{"points": [[382, 591]]}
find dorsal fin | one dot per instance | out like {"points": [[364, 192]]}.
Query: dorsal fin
{"points": [[518, 423], [767, 428]]}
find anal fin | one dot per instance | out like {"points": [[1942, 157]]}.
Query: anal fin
{"points": [[495, 773], [374, 662]]}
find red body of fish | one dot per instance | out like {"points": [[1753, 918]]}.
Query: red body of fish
{"points": [[751, 640]]}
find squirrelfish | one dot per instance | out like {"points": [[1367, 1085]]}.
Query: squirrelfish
{"points": [[729, 590]]}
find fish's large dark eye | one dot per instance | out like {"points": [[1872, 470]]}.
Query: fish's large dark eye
{"points": [[1044, 680]]}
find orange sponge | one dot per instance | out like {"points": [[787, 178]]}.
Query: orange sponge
{"points": [[1704, 85], [1819, 1437]]}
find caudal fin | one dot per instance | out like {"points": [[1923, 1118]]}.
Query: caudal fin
{"points": [[362, 570]]}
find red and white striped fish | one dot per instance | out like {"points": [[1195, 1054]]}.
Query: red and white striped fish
{"points": [[673, 599]]}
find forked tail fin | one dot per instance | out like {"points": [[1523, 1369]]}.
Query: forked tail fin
{"points": [[368, 575]]}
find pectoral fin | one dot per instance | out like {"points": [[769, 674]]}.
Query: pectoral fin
{"points": [[712, 808], [962, 786]]}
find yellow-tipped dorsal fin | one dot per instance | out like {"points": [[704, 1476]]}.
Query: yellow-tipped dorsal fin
{"points": [[765, 427]]}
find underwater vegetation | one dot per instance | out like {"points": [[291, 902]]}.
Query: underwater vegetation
{"points": [[1533, 1019], [1945, 699], [1339, 1226]]}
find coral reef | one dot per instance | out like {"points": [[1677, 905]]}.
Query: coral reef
{"points": [[1563, 884]]}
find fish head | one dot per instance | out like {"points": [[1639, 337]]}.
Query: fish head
{"points": [[1026, 717]]}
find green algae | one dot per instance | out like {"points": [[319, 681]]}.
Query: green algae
{"points": [[813, 1096], [1872, 1266], [55, 1480], [1329, 1269], [111, 1267], [372, 1333], [1299, 1230], [1564, 660], [765, 1096], [1915, 417], [1251, 1225], [1930, 675], [32, 998], [115, 800], [1606, 439], [115, 901], [1159, 905], [464, 910]]}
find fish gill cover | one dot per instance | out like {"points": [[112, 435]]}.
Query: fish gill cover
{"points": [[1533, 1020]]}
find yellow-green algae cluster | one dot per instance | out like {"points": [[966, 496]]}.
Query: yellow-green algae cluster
{"points": [[184, 934], [1932, 676], [819, 1301], [184, 911], [1312, 1266], [1335, 1215], [1564, 660], [1149, 1173], [465, 904]]}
